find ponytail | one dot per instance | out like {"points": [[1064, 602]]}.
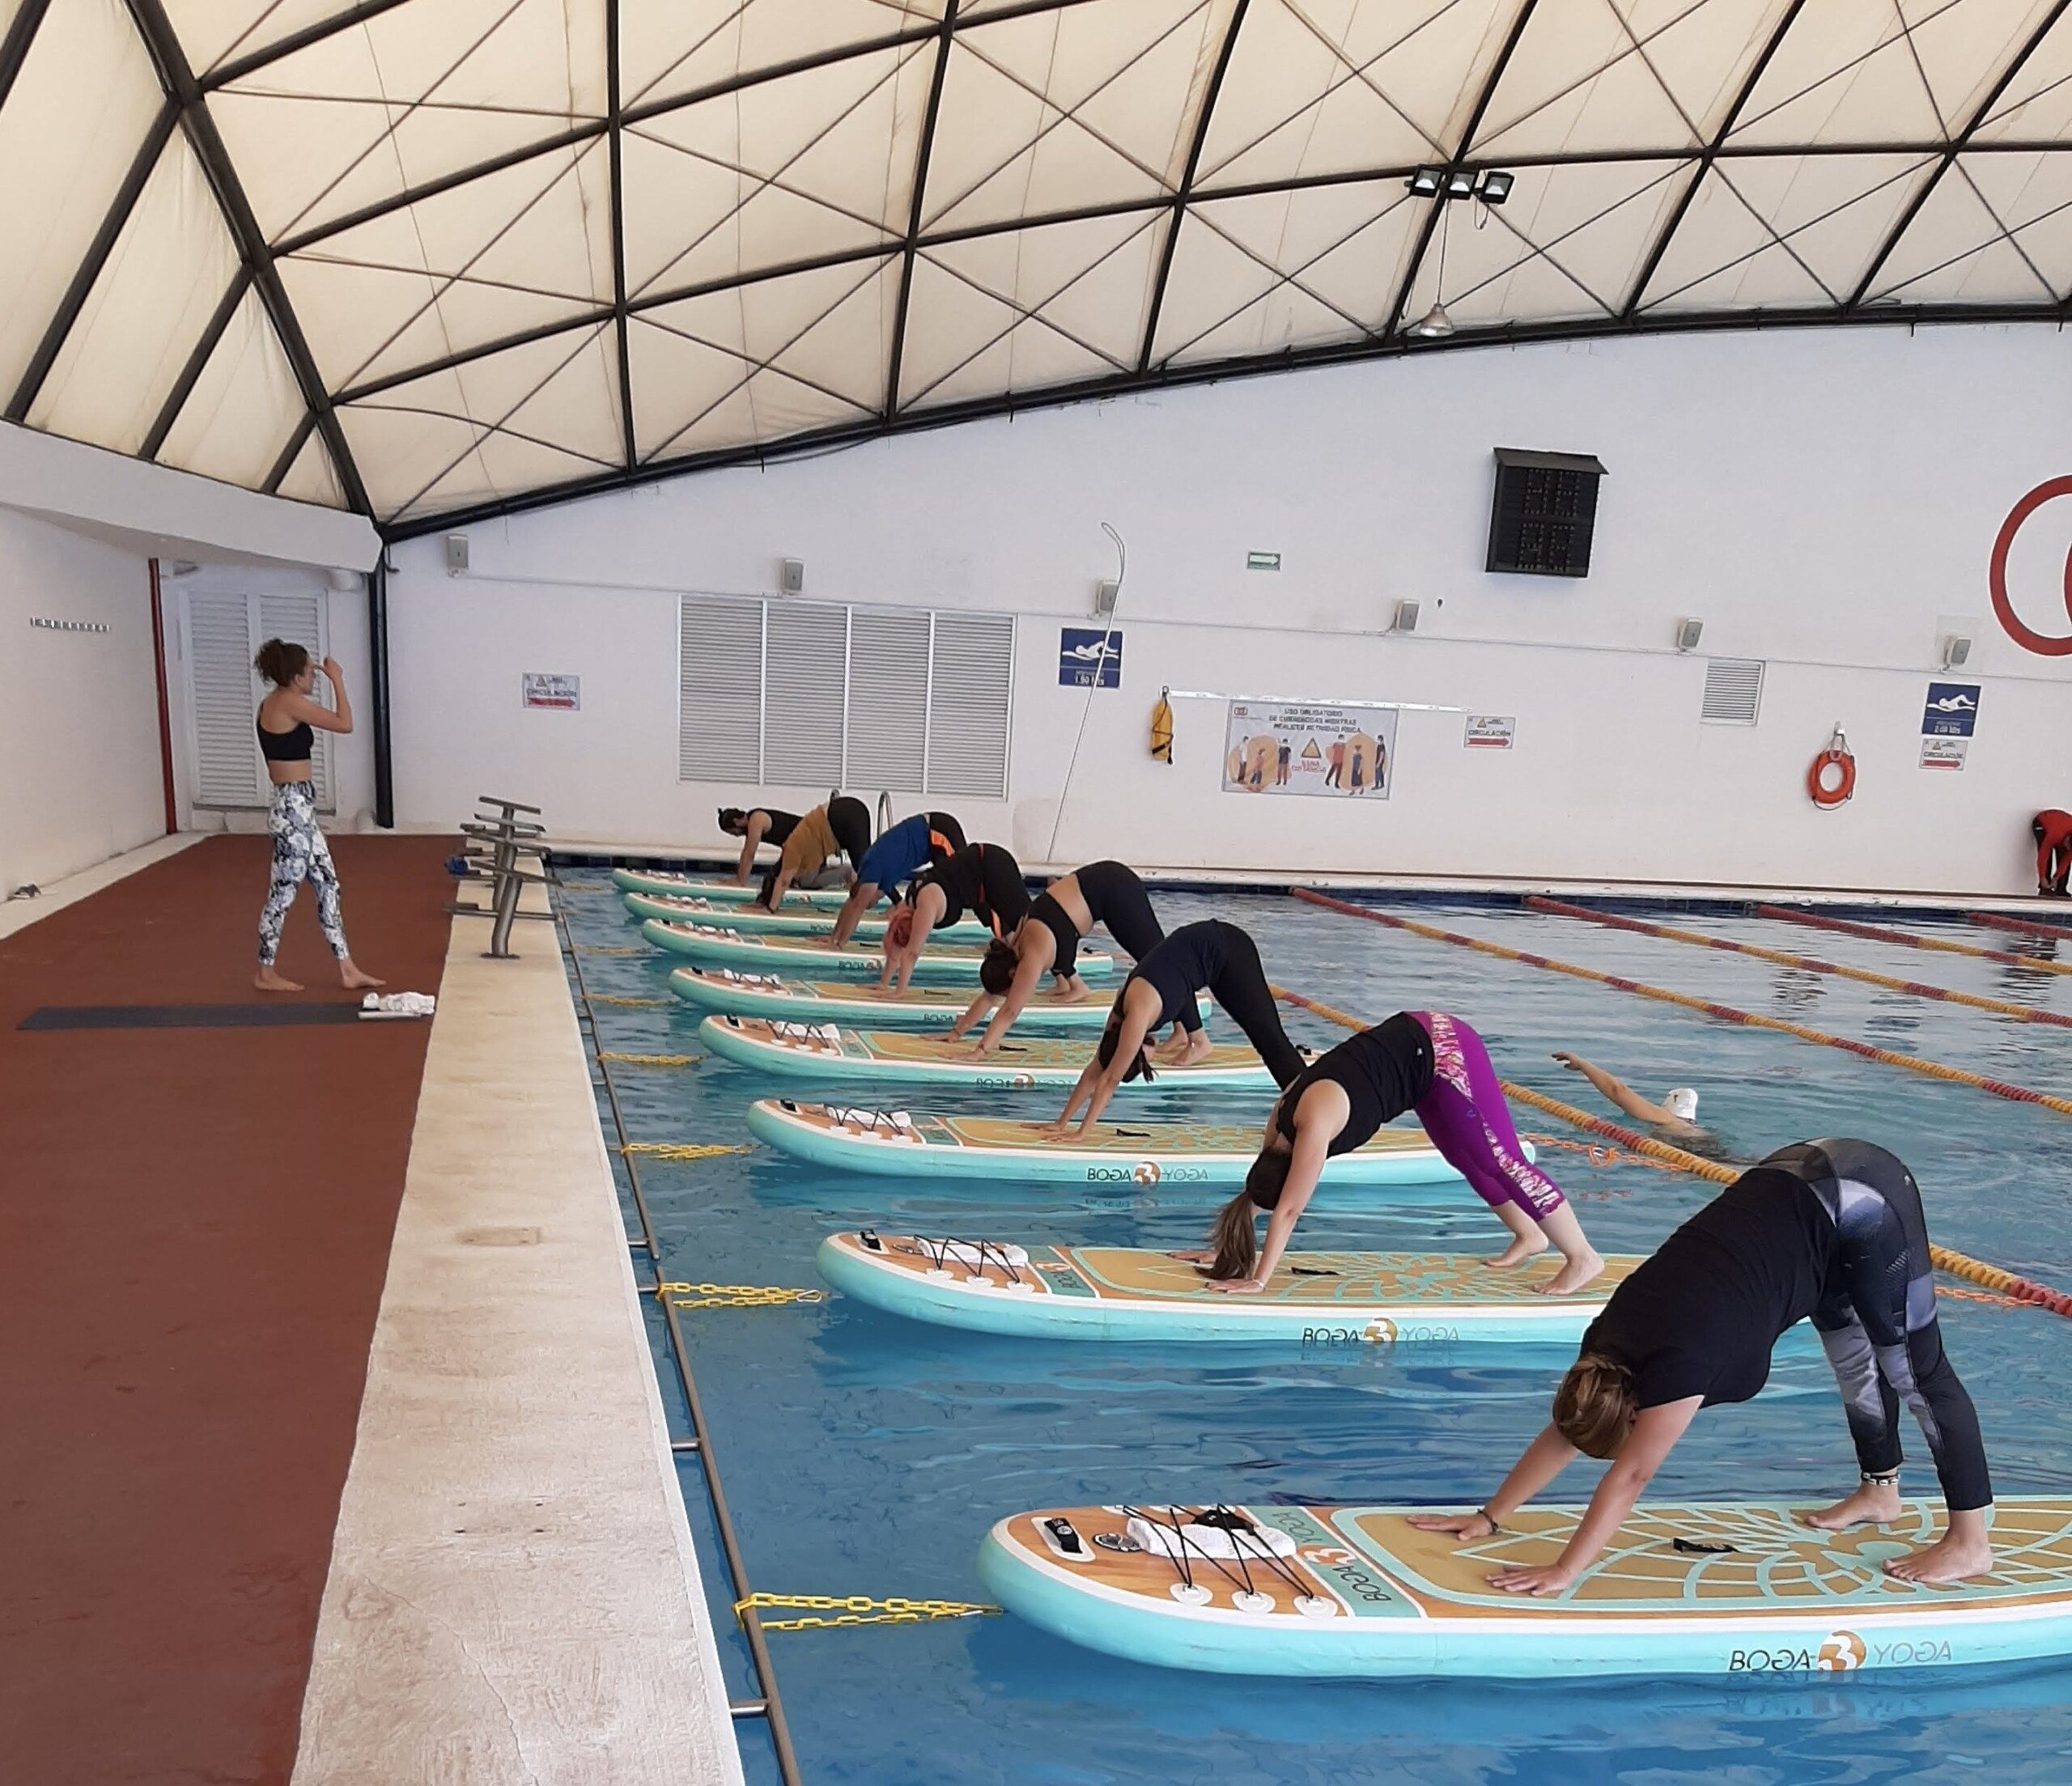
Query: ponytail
{"points": [[1104, 1052], [996, 967], [1236, 1240]]}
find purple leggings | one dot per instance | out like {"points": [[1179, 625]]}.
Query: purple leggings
{"points": [[1469, 1123]]}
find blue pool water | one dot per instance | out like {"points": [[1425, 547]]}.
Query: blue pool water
{"points": [[863, 1454]]}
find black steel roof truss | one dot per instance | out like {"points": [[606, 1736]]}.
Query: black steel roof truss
{"points": [[910, 250], [14, 45], [183, 387], [615, 122]]}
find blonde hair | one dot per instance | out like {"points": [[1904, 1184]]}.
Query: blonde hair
{"points": [[1595, 1408], [1236, 1240]]}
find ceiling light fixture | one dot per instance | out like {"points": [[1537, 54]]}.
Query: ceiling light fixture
{"points": [[1426, 182], [1435, 324], [1460, 183], [1496, 186]]}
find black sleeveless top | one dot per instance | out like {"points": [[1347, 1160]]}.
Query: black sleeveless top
{"points": [[1186, 963], [1046, 911], [291, 746], [782, 824], [985, 880], [1383, 1071]]}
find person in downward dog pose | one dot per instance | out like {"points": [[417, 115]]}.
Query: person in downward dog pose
{"points": [[1211, 956], [288, 721], [1046, 941], [982, 878], [903, 852], [842, 827], [1831, 1229], [755, 825], [1418, 1060]]}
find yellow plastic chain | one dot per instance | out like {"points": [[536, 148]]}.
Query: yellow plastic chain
{"points": [[636, 1004], [599, 948], [653, 1060], [671, 1150], [735, 1295], [857, 1609]]}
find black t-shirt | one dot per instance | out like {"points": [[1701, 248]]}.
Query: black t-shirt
{"points": [[1384, 1072], [781, 826], [1185, 965], [984, 879], [1701, 1315]]}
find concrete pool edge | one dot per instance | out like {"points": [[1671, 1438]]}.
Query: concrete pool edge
{"points": [[512, 1584]]}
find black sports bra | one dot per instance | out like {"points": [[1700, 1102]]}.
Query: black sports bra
{"points": [[291, 746]]}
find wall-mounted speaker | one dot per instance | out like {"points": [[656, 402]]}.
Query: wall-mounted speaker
{"points": [[1406, 618], [1104, 593], [1688, 633], [792, 576], [1956, 651], [456, 553], [1545, 515]]}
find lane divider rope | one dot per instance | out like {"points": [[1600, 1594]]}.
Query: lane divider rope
{"points": [[630, 1005], [1727, 1013], [1993, 920], [857, 1609], [2025, 1013], [1877, 933], [1958, 1265], [651, 1060], [735, 1295], [599, 948]]}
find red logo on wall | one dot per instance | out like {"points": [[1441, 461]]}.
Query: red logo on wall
{"points": [[2043, 644]]}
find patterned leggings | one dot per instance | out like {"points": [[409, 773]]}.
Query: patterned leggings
{"points": [[1470, 1122], [301, 854]]}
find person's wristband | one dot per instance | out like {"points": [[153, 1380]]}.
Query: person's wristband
{"points": [[1494, 1528]]}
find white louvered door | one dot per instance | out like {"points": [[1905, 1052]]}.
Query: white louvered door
{"points": [[223, 631]]}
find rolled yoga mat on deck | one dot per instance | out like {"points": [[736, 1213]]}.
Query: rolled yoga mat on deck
{"points": [[819, 1001], [906, 1146], [907, 1057], [1739, 1588], [754, 922], [950, 964], [722, 889], [1137, 1293]]}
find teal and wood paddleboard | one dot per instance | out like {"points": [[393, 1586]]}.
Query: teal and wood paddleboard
{"points": [[1137, 1293], [909, 1057], [785, 998], [1740, 1589], [753, 922], [902, 1144], [721, 890], [948, 964]]}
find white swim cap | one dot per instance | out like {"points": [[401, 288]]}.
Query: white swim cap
{"points": [[1682, 1104]]}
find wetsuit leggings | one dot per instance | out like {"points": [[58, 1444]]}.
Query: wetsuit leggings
{"points": [[1239, 985], [1470, 1122], [2053, 830], [1878, 1321], [301, 854]]}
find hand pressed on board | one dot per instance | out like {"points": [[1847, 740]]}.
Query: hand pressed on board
{"points": [[1539, 1579], [1461, 1525], [1250, 1287]]}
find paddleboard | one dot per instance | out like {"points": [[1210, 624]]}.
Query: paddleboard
{"points": [[721, 889], [901, 1057], [676, 909], [1739, 1588], [802, 1000], [904, 1145], [1137, 1293], [951, 963]]}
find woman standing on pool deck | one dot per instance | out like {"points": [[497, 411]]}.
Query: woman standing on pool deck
{"points": [[289, 719], [1211, 956], [1047, 941], [1418, 1060], [1830, 1229], [903, 852]]}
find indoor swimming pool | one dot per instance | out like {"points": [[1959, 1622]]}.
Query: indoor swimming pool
{"points": [[864, 1454]]}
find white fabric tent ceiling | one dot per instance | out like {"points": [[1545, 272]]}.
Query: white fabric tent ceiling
{"points": [[429, 258]]}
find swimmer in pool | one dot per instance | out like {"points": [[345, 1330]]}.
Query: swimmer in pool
{"points": [[1047, 943], [900, 853], [1211, 956], [1418, 1060], [982, 878], [1832, 1230], [1676, 1115]]}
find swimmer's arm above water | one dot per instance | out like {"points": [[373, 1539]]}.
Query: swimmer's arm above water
{"points": [[1618, 1092]]}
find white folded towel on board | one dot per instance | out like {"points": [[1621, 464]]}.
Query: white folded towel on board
{"points": [[398, 1005]]}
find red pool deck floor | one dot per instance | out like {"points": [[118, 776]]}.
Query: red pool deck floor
{"points": [[194, 1229]]}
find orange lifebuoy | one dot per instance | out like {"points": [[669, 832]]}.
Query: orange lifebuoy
{"points": [[1824, 796]]}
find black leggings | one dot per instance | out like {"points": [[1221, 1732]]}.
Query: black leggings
{"points": [[1877, 1320], [850, 821], [1239, 985], [1116, 897]]}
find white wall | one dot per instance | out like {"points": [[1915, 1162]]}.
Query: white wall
{"points": [[80, 772], [1825, 500]]}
